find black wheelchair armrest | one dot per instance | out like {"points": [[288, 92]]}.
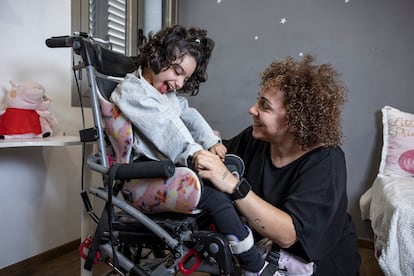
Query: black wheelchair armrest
{"points": [[135, 170], [146, 169]]}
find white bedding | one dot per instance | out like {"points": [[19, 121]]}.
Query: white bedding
{"points": [[389, 205]]}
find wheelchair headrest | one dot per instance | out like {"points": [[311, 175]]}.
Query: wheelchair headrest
{"points": [[111, 63]]}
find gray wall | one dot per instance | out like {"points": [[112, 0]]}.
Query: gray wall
{"points": [[369, 41]]}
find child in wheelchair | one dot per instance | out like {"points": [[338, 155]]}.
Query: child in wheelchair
{"points": [[165, 127]]}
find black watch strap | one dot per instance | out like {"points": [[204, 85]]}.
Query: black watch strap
{"points": [[242, 189]]}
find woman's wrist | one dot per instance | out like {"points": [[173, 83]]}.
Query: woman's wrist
{"points": [[233, 186], [231, 182]]}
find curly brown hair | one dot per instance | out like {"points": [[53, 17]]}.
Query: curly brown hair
{"points": [[170, 44], [313, 96]]}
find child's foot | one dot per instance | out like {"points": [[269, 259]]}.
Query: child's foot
{"points": [[234, 164]]}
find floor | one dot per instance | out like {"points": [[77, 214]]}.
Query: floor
{"points": [[68, 264]]}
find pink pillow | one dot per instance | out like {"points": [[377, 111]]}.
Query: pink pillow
{"points": [[397, 156]]}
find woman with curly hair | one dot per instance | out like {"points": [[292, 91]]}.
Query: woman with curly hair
{"points": [[175, 60], [293, 193]]}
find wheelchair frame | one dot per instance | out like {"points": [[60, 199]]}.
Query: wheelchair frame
{"points": [[130, 241]]}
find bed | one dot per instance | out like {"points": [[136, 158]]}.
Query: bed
{"points": [[389, 203]]}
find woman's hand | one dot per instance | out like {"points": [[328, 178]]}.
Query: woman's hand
{"points": [[210, 166]]}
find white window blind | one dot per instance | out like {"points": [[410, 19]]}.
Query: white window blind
{"points": [[108, 21], [117, 25]]}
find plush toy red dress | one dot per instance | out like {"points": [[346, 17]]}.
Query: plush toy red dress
{"points": [[20, 121]]}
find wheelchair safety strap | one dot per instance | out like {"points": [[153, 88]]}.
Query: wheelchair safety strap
{"points": [[105, 223], [238, 247], [94, 245]]}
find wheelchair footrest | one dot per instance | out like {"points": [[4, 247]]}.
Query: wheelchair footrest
{"points": [[215, 246], [133, 232]]}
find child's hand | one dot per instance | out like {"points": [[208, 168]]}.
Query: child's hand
{"points": [[219, 149]]}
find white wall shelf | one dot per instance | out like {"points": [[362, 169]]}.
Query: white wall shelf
{"points": [[53, 141]]}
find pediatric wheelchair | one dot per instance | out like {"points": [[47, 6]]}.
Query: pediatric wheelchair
{"points": [[137, 238]]}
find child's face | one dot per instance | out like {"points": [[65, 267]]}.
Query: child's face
{"points": [[173, 77]]}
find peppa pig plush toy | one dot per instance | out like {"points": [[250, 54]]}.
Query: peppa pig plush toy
{"points": [[26, 114]]}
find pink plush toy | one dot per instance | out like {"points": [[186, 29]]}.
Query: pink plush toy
{"points": [[26, 114]]}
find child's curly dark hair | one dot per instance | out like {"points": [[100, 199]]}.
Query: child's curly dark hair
{"points": [[172, 43], [313, 97]]}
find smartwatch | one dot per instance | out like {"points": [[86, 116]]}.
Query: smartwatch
{"points": [[242, 189]]}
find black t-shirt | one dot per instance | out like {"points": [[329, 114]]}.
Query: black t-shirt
{"points": [[312, 190]]}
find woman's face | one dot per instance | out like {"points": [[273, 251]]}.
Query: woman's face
{"points": [[173, 77], [269, 116]]}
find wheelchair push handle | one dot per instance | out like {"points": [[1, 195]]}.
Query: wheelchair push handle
{"points": [[65, 41], [59, 41]]}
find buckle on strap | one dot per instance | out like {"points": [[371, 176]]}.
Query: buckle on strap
{"points": [[273, 257]]}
